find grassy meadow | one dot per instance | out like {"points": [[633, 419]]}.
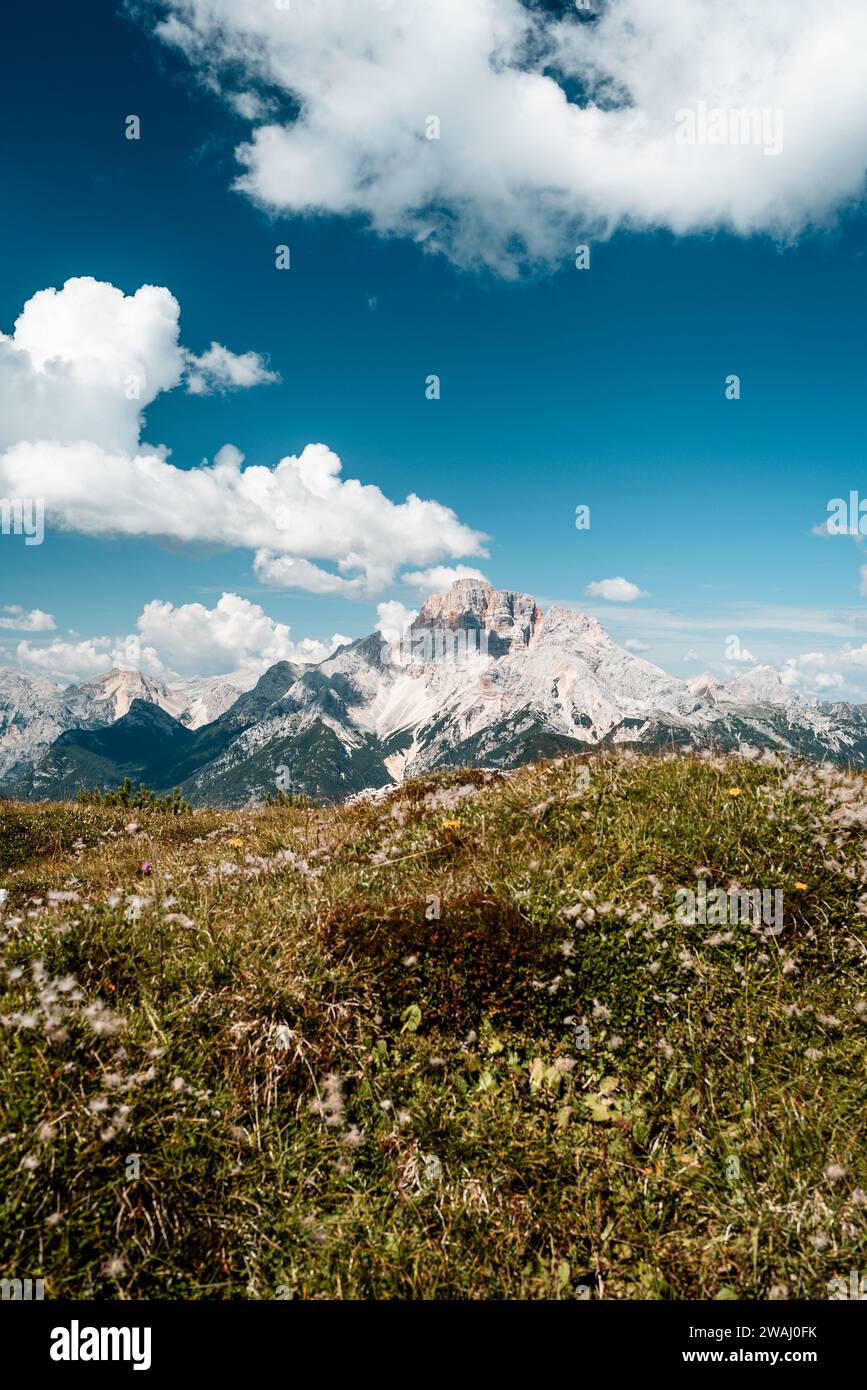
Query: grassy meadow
{"points": [[453, 1043]]}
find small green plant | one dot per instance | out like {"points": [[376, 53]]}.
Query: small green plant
{"points": [[136, 799], [285, 799]]}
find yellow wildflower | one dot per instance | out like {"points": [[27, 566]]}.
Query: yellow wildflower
{"points": [[801, 885], [451, 824], [735, 791], [236, 841]]}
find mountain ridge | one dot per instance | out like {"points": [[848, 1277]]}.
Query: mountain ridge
{"points": [[523, 684], [36, 710]]}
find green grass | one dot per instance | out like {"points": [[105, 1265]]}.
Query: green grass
{"points": [[362, 1053]]}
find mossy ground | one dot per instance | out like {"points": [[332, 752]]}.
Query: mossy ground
{"points": [[452, 1044]]}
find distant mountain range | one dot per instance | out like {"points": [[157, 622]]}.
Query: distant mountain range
{"points": [[34, 710], [483, 678]]}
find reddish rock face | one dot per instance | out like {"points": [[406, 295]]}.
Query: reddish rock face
{"points": [[510, 619]]}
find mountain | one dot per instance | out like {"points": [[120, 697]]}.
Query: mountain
{"points": [[145, 744], [32, 715], [108, 697], [194, 702], [205, 698], [483, 677], [34, 711], [148, 743]]}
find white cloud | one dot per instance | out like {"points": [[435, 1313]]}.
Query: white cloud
{"points": [[83, 363], [234, 635], [632, 644], [88, 657], [393, 619], [19, 621], [517, 163], [85, 360], [218, 369], [817, 672], [183, 640], [247, 104], [439, 578], [617, 590]]}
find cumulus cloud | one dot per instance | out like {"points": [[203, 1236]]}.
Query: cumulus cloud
{"points": [[439, 578], [87, 657], [235, 636], [84, 361], [546, 125], [617, 590], [393, 619], [632, 644], [76, 374], [218, 369], [16, 620], [843, 670]]}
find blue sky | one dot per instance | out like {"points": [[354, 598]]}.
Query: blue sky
{"points": [[558, 386]]}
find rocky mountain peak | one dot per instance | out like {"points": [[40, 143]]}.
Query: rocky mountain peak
{"points": [[147, 715], [705, 685], [510, 619], [764, 684], [558, 622], [118, 688]]}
